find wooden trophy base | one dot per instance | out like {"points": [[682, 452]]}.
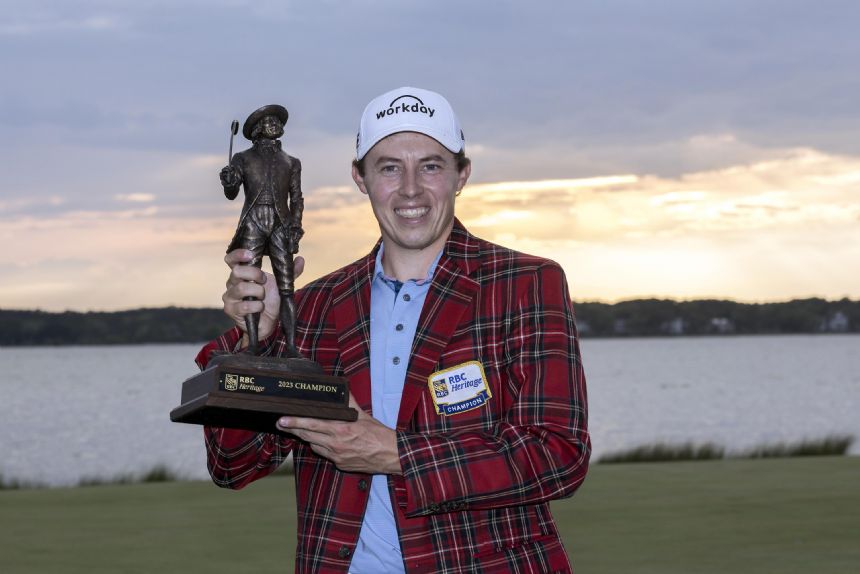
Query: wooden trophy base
{"points": [[252, 393]]}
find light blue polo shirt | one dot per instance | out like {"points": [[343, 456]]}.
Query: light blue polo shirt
{"points": [[395, 308]]}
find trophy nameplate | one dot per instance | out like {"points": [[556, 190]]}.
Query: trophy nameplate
{"points": [[252, 393]]}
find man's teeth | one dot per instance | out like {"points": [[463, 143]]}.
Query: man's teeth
{"points": [[412, 211]]}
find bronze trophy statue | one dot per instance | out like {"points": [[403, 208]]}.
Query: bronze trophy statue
{"points": [[245, 390], [271, 220]]}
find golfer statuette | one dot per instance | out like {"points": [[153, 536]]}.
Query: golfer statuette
{"points": [[245, 390]]}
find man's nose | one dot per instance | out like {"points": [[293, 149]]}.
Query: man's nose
{"points": [[410, 186]]}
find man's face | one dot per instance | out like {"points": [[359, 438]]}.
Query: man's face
{"points": [[411, 180], [271, 127]]}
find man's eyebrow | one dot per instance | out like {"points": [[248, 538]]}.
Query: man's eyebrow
{"points": [[387, 159], [391, 159]]}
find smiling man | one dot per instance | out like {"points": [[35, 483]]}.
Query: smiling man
{"points": [[463, 361]]}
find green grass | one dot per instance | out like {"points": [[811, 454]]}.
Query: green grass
{"points": [[785, 515]]}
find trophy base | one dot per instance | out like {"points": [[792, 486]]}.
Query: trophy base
{"points": [[252, 393]]}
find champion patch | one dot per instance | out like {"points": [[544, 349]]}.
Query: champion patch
{"points": [[459, 389]]}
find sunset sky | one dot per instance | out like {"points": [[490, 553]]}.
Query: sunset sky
{"points": [[655, 149]]}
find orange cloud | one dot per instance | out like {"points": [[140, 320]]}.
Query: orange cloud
{"points": [[784, 227]]}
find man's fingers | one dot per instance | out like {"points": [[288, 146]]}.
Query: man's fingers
{"points": [[298, 423], [298, 265], [246, 273], [238, 291], [237, 257], [238, 307], [249, 289], [321, 426], [247, 307]]}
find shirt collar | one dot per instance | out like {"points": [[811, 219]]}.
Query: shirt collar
{"points": [[394, 283]]}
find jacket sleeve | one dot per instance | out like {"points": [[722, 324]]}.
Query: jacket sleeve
{"points": [[235, 458], [540, 449]]}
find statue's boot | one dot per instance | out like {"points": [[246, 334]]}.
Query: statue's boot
{"points": [[288, 324], [252, 322]]}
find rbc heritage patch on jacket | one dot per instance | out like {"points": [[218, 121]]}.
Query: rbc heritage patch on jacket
{"points": [[459, 389]]}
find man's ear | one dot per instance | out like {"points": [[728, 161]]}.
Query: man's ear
{"points": [[358, 179], [464, 176]]}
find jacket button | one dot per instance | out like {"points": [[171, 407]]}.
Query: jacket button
{"points": [[362, 485], [343, 552]]}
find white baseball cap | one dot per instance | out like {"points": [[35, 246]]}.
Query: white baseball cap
{"points": [[409, 110]]}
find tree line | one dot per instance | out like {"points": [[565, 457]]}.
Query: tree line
{"points": [[656, 317], [636, 318], [155, 325]]}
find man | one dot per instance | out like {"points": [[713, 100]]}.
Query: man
{"points": [[463, 361], [271, 220]]}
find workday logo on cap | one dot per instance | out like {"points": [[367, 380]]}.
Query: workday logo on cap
{"points": [[409, 110], [405, 104]]}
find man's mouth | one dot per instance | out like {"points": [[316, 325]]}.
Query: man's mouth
{"points": [[411, 212]]}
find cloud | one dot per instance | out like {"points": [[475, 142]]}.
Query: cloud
{"points": [[799, 188], [44, 23], [751, 231], [713, 108], [135, 197], [644, 76], [773, 229]]}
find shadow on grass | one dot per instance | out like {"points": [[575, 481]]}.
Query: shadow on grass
{"points": [[14, 484], [158, 473], [833, 445], [666, 453], [829, 446]]}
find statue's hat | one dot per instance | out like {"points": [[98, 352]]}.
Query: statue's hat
{"points": [[276, 110]]}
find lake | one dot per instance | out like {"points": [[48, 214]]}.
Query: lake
{"points": [[68, 413]]}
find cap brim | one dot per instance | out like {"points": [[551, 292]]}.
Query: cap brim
{"points": [[416, 128]]}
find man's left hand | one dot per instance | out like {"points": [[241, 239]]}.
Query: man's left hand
{"points": [[365, 445]]}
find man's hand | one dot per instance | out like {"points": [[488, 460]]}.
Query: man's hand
{"points": [[365, 445], [250, 281]]}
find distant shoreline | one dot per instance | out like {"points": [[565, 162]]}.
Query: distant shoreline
{"points": [[626, 319]]}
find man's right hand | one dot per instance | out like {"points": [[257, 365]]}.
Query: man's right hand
{"points": [[250, 281]]}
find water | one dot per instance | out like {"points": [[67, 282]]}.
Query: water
{"points": [[68, 413]]}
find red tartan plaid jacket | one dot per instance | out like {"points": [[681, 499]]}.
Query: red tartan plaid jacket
{"points": [[476, 485]]}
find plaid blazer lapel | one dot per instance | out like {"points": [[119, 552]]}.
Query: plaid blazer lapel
{"points": [[451, 293], [351, 310]]}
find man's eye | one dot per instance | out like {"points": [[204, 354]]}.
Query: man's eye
{"points": [[389, 169], [431, 167]]}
